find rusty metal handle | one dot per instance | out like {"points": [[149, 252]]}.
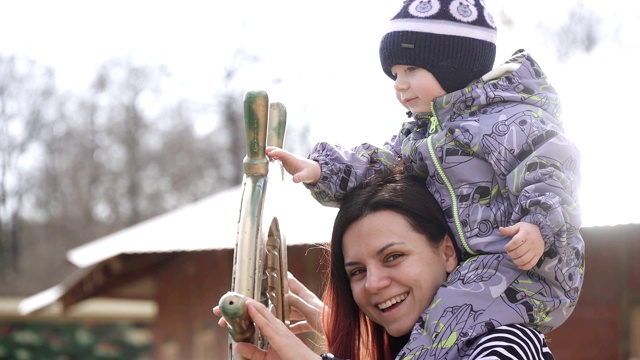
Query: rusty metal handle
{"points": [[260, 256]]}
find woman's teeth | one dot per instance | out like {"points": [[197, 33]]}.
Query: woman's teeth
{"points": [[392, 301]]}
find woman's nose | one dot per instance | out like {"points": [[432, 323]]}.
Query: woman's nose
{"points": [[376, 280]]}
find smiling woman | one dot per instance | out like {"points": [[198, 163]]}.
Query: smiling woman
{"points": [[390, 242], [391, 251]]}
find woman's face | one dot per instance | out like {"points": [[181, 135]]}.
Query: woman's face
{"points": [[393, 270]]}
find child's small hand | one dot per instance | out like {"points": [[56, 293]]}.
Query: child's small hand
{"points": [[526, 246], [301, 169]]}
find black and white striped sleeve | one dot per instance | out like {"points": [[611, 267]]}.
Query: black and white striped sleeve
{"points": [[511, 342]]}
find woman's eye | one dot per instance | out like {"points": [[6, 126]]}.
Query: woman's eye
{"points": [[393, 257], [355, 272]]}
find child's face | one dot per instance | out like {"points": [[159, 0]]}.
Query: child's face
{"points": [[416, 87]]}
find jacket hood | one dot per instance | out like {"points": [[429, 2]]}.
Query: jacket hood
{"points": [[519, 80]]}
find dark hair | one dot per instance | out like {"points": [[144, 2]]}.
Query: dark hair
{"points": [[350, 334]]}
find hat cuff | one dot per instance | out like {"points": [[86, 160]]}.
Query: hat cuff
{"points": [[453, 60]]}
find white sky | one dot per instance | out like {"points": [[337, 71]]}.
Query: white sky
{"points": [[321, 60]]}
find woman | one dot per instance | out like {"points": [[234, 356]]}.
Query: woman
{"points": [[391, 250]]}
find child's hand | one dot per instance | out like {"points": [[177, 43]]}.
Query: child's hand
{"points": [[526, 246], [301, 169]]}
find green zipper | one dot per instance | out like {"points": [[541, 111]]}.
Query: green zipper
{"points": [[433, 120], [435, 125]]}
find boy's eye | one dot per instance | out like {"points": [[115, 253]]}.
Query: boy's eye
{"points": [[411, 68]]}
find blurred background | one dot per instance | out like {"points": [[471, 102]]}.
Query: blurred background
{"points": [[113, 114]]}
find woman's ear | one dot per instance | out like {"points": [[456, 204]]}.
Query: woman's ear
{"points": [[449, 254]]}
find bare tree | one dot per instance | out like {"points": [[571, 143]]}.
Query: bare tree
{"points": [[579, 33], [26, 93], [103, 160], [229, 135]]}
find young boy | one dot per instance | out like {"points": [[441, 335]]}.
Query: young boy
{"points": [[491, 148]]}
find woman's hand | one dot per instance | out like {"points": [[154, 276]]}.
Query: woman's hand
{"points": [[306, 308], [217, 312], [283, 344]]}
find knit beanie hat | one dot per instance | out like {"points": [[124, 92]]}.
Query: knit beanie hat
{"points": [[455, 40]]}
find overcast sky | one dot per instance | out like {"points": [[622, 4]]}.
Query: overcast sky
{"points": [[321, 60]]}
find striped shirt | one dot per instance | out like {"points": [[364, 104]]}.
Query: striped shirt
{"points": [[510, 342]]}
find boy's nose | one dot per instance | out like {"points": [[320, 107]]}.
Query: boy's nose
{"points": [[400, 84]]}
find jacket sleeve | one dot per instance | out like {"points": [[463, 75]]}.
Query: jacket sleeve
{"points": [[413, 147], [344, 169]]}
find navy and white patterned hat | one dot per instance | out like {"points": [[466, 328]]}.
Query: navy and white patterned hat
{"points": [[454, 40]]}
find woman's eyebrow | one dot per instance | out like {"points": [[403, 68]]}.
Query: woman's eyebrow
{"points": [[380, 251], [350, 263]]}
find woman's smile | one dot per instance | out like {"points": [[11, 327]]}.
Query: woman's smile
{"points": [[393, 301]]}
